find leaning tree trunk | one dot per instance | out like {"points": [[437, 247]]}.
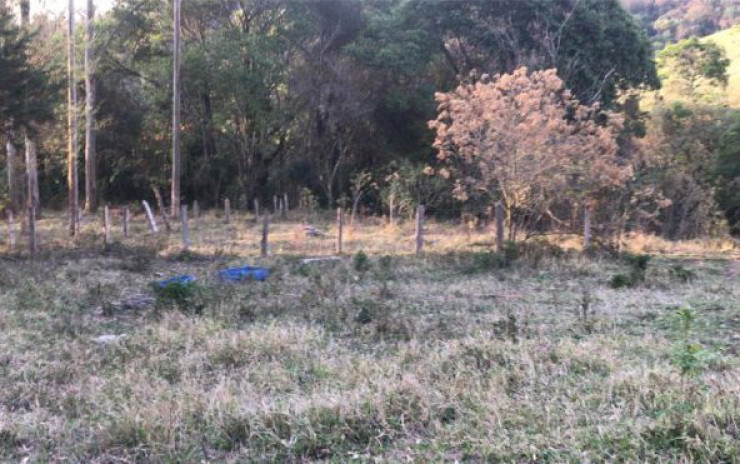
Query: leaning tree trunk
{"points": [[91, 198], [72, 125], [175, 200]]}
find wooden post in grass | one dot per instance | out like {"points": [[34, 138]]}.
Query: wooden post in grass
{"points": [[185, 228], [286, 205], [586, 227], [196, 215], [126, 221], [32, 230], [419, 229], [274, 204], [256, 210], [391, 209], [500, 219], [265, 235], [227, 211], [106, 225], [166, 220], [340, 229], [283, 208], [11, 231], [150, 217]]}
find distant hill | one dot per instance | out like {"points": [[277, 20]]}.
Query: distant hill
{"points": [[672, 20], [729, 39]]}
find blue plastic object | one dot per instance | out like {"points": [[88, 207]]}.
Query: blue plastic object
{"points": [[238, 274], [180, 279]]}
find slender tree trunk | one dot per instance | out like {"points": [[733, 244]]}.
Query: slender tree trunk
{"points": [[32, 176], [175, 201], [72, 183], [91, 198]]}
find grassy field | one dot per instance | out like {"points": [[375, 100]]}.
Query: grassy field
{"points": [[456, 356]]}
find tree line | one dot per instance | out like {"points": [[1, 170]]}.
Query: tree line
{"points": [[327, 101]]}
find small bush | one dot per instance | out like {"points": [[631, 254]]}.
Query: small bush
{"points": [[187, 297], [638, 267], [621, 281], [483, 261], [682, 274], [361, 262]]}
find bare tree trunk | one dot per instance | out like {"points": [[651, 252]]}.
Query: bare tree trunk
{"points": [[175, 200], [72, 183], [32, 174], [32, 177], [91, 198], [500, 225]]}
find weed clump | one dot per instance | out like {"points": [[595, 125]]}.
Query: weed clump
{"points": [[682, 274], [188, 297], [638, 264], [361, 262]]}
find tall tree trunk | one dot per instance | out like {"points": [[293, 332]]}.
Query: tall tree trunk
{"points": [[175, 200], [72, 183], [91, 198], [15, 194], [32, 175]]}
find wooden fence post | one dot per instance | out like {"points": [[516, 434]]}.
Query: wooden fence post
{"points": [[265, 235], [185, 228], [391, 208], [196, 215], [106, 225], [500, 219], [150, 217], [586, 227], [419, 229], [166, 220], [227, 211], [126, 221], [340, 230], [256, 210], [286, 205], [11, 231], [32, 230]]}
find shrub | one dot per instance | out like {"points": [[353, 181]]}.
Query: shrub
{"points": [[682, 274], [361, 262], [621, 281], [187, 297]]}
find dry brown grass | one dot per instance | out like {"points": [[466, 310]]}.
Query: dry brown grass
{"points": [[443, 358]]}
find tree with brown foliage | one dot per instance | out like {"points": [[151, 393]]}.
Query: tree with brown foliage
{"points": [[523, 139]]}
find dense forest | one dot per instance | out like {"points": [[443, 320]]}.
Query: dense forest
{"points": [[330, 102]]}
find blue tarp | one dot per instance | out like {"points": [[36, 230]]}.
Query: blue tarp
{"points": [[239, 274]]}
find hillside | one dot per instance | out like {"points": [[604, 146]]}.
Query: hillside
{"points": [[668, 21], [729, 39]]}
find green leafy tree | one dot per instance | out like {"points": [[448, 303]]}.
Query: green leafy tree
{"points": [[694, 64], [728, 172]]}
